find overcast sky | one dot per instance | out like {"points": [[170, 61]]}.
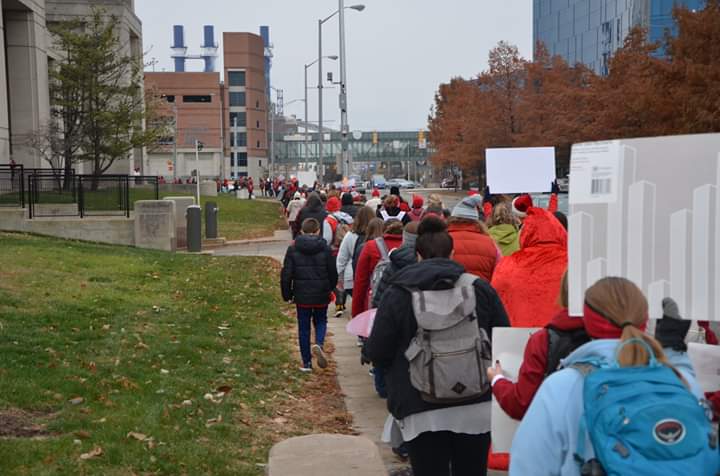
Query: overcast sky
{"points": [[399, 51]]}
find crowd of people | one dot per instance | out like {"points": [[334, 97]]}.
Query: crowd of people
{"points": [[438, 281]]}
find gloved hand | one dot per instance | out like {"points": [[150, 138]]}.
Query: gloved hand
{"points": [[672, 329], [554, 187], [487, 196]]}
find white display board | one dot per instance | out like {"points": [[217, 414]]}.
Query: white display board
{"points": [[520, 170], [508, 347], [648, 210]]}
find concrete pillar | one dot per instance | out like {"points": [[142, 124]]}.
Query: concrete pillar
{"points": [[27, 80]]}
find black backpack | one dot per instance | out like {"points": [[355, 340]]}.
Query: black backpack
{"points": [[359, 245], [561, 343]]}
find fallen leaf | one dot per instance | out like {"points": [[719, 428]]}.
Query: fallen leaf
{"points": [[137, 436], [97, 451], [213, 421], [224, 389], [187, 403], [280, 420], [76, 400], [164, 371], [82, 434]]}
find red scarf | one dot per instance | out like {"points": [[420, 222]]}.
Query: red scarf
{"points": [[599, 326]]}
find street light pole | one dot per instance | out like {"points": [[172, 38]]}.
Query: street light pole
{"points": [[320, 104], [197, 170], [307, 155], [344, 165], [175, 139]]}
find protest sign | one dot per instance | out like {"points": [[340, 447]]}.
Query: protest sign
{"points": [[705, 359], [508, 347], [648, 210], [520, 170]]}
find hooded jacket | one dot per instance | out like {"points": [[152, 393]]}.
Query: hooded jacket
{"points": [[369, 258], [313, 208], [348, 206], [528, 281], [308, 274], [507, 238], [546, 440], [345, 260], [473, 249], [399, 259], [515, 398], [395, 326]]}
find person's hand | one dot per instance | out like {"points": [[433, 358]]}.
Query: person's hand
{"points": [[671, 330], [493, 372], [554, 188]]}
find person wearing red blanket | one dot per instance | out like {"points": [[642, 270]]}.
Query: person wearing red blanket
{"points": [[527, 280]]}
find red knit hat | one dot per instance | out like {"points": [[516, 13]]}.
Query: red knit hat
{"points": [[375, 192], [417, 201], [521, 205], [333, 205]]}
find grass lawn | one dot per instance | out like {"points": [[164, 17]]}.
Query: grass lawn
{"points": [[119, 361]]}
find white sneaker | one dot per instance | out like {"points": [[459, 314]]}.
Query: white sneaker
{"points": [[305, 369], [320, 356]]}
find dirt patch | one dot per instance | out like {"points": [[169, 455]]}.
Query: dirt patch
{"points": [[16, 423]]}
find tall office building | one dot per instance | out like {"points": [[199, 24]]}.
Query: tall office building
{"points": [[589, 31]]}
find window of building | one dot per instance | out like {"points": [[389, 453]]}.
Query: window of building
{"points": [[232, 174], [258, 144], [241, 139], [236, 78], [206, 98], [242, 174], [257, 104], [257, 124], [241, 119], [238, 159], [260, 163], [237, 99]]}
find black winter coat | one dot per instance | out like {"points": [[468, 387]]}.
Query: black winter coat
{"points": [[399, 259], [350, 210], [309, 273], [313, 208], [395, 326]]}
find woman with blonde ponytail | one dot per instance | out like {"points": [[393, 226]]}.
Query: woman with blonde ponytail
{"points": [[548, 440]]}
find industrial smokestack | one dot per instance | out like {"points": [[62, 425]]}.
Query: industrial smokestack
{"points": [[209, 48], [179, 48]]}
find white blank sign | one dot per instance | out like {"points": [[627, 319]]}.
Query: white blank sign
{"points": [[520, 170]]}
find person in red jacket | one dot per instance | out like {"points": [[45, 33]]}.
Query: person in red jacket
{"points": [[473, 247], [542, 356], [369, 258], [527, 280]]}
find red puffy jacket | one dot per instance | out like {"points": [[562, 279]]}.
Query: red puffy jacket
{"points": [[528, 281], [475, 250], [515, 398], [369, 258]]}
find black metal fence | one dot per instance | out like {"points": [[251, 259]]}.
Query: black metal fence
{"points": [[12, 186], [52, 193]]}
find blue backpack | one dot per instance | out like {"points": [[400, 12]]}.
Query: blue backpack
{"points": [[644, 421]]}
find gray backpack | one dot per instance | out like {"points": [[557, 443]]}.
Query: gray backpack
{"points": [[450, 353], [384, 262]]}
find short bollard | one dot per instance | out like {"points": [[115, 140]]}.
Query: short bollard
{"points": [[211, 220], [194, 228]]}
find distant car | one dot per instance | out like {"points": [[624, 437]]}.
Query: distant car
{"points": [[378, 181], [402, 183], [448, 183]]}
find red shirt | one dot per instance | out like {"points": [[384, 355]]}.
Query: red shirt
{"points": [[369, 258], [515, 398]]}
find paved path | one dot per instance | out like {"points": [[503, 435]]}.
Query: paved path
{"points": [[367, 409]]}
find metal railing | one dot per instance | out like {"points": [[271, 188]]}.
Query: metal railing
{"points": [[12, 186]]}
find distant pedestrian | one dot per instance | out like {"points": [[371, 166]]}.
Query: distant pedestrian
{"points": [[293, 210], [314, 208], [417, 210], [307, 279], [348, 205], [391, 210], [441, 405], [350, 249], [375, 202]]}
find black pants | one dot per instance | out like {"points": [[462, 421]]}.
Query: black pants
{"points": [[443, 453]]}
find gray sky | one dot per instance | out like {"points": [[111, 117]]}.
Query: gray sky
{"points": [[399, 51]]}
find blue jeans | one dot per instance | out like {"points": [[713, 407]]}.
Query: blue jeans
{"points": [[379, 380], [318, 317]]}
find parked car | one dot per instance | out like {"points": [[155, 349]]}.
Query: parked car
{"points": [[449, 182], [402, 183], [378, 181]]}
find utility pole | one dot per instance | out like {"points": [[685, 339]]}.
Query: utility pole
{"points": [[320, 105], [345, 160], [175, 139], [198, 148]]}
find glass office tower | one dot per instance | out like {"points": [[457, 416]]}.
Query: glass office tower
{"points": [[589, 31]]}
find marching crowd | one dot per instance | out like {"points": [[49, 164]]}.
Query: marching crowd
{"points": [[595, 394]]}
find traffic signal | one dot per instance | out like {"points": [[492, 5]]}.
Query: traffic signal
{"points": [[422, 141], [375, 140], [199, 145]]}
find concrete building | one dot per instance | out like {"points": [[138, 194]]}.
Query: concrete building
{"points": [[226, 111], [589, 31], [26, 49]]}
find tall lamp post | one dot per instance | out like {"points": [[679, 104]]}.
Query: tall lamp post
{"points": [[340, 11], [307, 66]]}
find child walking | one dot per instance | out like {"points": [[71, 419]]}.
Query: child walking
{"points": [[308, 277]]}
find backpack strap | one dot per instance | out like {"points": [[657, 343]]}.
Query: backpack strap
{"points": [[400, 216], [585, 369], [384, 215], [382, 248]]}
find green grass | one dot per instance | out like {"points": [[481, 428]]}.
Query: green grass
{"points": [[135, 333]]}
